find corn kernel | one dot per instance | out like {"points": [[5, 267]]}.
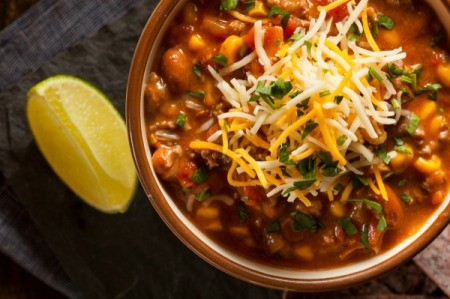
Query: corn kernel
{"points": [[337, 209], [239, 231], [402, 161], [390, 37], [304, 252], [259, 11], [436, 125], [427, 109], [210, 98], [214, 226], [208, 212], [230, 48], [443, 72], [196, 43], [428, 166]]}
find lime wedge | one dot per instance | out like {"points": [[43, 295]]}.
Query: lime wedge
{"points": [[84, 140]]}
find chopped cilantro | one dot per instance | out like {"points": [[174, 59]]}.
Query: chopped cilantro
{"points": [[226, 5], [294, 94], [339, 187], [181, 119], [227, 126], [377, 207], [243, 50], [306, 166], [365, 236], [373, 204], [296, 36], [203, 195], [361, 179], [197, 94], [433, 88], [331, 170], [324, 93], [402, 182], [382, 225], [387, 175], [254, 98], [382, 154], [244, 198], [348, 226], [220, 59], [440, 110], [405, 197], [304, 221], [385, 21], [308, 46], [197, 69], [284, 155], [275, 10], [200, 175], [302, 185], [413, 124], [243, 213], [249, 5], [273, 227], [400, 146], [395, 104], [355, 34], [374, 74], [338, 99], [374, 27], [309, 127], [341, 140], [325, 157], [278, 89]]}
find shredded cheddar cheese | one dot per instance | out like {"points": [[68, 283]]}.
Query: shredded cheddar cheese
{"points": [[312, 114]]}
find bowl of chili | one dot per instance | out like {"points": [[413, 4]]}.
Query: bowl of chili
{"points": [[291, 144]]}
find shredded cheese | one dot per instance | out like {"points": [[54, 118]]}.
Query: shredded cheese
{"points": [[322, 114]]}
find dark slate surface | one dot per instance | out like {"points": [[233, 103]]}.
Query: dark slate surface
{"points": [[132, 255], [107, 256]]}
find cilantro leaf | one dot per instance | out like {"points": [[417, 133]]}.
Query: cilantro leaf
{"points": [[385, 21], [226, 5], [197, 69], [348, 226], [181, 119], [243, 213], [200, 175], [220, 59], [414, 121], [302, 221]]}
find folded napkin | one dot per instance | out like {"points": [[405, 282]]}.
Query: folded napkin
{"points": [[49, 27]]}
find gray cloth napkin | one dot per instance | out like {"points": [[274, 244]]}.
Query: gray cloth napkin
{"points": [[45, 30], [50, 27]]}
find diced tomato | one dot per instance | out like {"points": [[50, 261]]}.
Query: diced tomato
{"points": [[185, 171], [249, 38], [291, 25], [253, 194], [273, 39]]}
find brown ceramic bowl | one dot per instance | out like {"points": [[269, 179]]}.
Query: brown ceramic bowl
{"points": [[229, 262]]}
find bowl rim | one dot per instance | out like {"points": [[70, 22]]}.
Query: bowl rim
{"points": [[149, 183]]}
